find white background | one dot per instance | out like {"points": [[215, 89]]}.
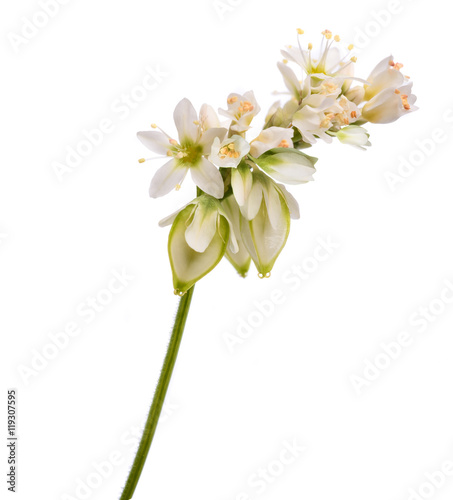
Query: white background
{"points": [[229, 413]]}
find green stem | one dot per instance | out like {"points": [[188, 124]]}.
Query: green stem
{"points": [[159, 396]]}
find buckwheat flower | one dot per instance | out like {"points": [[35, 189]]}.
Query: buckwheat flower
{"points": [[354, 136], [229, 152], [241, 110], [315, 118], [389, 105], [272, 137], [198, 239], [187, 154], [208, 118], [345, 112], [240, 259], [327, 61]]}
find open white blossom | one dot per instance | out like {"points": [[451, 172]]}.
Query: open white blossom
{"points": [[229, 152], [187, 154], [241, 110]]}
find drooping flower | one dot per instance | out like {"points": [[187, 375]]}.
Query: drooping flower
{"points": [[354, 136], [187, 154], [389, 105], [241, 110], [200, 234], [229, 152]]}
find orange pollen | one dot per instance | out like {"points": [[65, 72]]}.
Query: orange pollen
{"points": [[283, 144], [245, 107], [228, 151], [397, 91], [353, 114], [398, 66], [232, 100], [406, 105]]}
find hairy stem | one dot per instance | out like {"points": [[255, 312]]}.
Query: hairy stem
{"points": [[159, 396]]}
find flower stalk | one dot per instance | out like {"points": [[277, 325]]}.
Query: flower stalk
{"points": [[159, 395]]}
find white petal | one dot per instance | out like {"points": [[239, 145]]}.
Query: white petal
{"points": [[202, 229], [253, 203], [167, 178], [290, 79], [166, 221], [293, 206], [271, 138], [208, 137], [208, 178], [185, 116], [273, 204], [241, 182], [155, 141]]}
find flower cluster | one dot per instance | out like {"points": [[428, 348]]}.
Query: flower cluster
{"points": [[242, 210]]}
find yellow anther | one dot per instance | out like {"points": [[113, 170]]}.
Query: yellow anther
{"points": [[232, 100], [326, 32], [223, 150], [310, 46], [196, 122], [398, 66], [336, 38], [354, 59], [231, 146], [397, 91], [351, 46], [153, 125], [300, 32], [285, 61], [178, 187], [172, 141], [353, 114], [284, 144], [142, 160], [245, 107]]}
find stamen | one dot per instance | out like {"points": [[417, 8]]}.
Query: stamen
{"points": [[351, 46], [232, 100], [141, 160], [285, 61], [354, 59], [353, 114], [283, 144], [300, 32], [153, 125], [310, 46], [173, 142], [336, 38]]}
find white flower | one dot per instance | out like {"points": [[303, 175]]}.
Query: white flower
{"points": [[241, 110], [199, 237], [354, 136], [272, 137], [328, 61], [356, 94], [208, 118], [345, 112], [187, 154], [229, 152], [389, 105], [314, 119]]}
